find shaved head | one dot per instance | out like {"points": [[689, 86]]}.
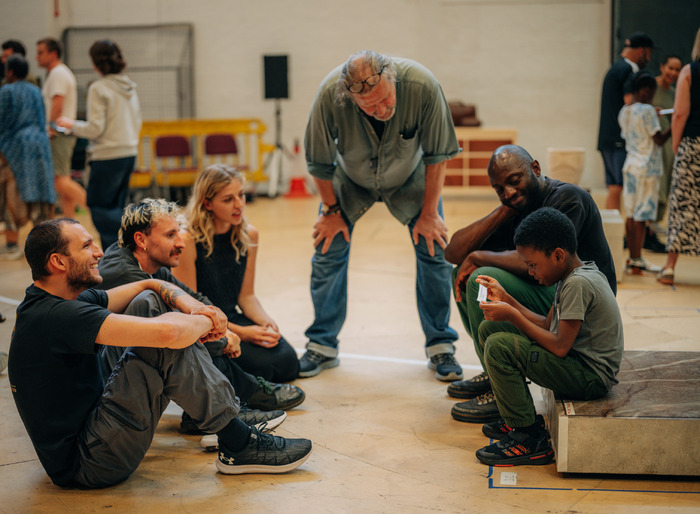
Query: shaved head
{"points": [[515, 176], [509, 157]]}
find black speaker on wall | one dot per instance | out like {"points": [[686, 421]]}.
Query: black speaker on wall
{"points": [[276, 85]]}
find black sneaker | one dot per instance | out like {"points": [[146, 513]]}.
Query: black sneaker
{"points": [[652, 243], [445, 366], [471, 388], [265, 421], [257, 418], [312, 363], [518, 448], [477, 410], [249, 416], [499, 429], [264, 453], [270, 396]]}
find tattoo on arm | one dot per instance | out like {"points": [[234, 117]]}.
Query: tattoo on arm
{"points": [[169, 293]]}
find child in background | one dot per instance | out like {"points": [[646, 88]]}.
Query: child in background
{"points": [[575, 350], [641, 173]]}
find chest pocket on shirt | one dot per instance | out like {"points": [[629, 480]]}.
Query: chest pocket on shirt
{"points": [[408, 142]]}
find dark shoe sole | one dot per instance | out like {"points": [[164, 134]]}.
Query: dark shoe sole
{"points": [[315, 371], [488, 414], [453, 392], [536, 459]]}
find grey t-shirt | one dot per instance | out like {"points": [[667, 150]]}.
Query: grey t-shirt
{"points": [[586, 295]]}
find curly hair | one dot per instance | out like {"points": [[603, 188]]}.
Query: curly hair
{"points": [[141, 216], [545, 230], [376, 62], [107, 57], [200, 221]]}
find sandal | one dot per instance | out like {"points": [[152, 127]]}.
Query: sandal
{"points": [[666, 276]]}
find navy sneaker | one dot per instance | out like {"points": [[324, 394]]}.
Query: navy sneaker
{"points": [[264, 453], [445, 366], [312, 363]]}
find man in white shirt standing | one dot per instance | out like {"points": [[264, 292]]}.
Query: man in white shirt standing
{"points": [[60, 94]]}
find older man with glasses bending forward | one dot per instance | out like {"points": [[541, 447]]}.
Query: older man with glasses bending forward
{"points": [[379, 130]]}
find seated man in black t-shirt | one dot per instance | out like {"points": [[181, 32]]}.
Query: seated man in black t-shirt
{"points": [[486, 248], [92, 435]]}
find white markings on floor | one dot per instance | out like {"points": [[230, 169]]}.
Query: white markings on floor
{"points": [[395, 360]]}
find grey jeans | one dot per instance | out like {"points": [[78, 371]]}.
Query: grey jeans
{"points": [[119, 430]]}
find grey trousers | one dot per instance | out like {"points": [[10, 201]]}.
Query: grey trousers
{"points": [[150, 306], [120, 429]]}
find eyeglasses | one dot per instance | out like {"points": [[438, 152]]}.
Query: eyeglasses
{"points": [[371, 81]]}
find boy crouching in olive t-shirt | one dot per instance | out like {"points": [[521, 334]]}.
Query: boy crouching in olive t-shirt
{"points": [[575, 351]]}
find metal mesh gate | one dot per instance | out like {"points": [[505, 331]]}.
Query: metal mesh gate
{"points": [[159, 59]]}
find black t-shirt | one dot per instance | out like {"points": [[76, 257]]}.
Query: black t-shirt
{"points": [[692, 124], [581, 209], [54, 374], [617, 82]]}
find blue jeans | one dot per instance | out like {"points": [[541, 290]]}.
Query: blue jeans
{"points": [[106, 195], [329, 294]]}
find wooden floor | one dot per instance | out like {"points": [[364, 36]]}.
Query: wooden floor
{"points": [[383, 437]]}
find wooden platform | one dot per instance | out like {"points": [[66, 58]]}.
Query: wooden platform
{"points": [[648, 424]]}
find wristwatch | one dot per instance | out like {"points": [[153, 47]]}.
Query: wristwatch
{"points": [[327, 210]]}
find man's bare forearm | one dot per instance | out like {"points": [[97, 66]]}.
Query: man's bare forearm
{"points": [[470, 238]]}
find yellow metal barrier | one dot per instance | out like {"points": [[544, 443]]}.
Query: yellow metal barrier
{"points": [[247, 132]]}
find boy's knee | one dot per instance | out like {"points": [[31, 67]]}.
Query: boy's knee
{"points": [[497, 346]]}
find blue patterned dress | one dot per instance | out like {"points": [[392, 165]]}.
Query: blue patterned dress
{"points": [[24, 141]]}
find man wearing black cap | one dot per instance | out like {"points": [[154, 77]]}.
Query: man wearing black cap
{"points": [[634, 56]]}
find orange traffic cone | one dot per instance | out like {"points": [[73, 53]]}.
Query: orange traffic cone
{"points": [[297, 184]]}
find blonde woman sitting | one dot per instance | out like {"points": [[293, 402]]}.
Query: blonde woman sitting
{"points": [[219, 262]]}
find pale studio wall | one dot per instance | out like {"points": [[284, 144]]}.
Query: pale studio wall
{"points": [[536, 65]]}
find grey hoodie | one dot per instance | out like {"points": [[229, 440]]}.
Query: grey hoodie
{"points": [[113, 118]]}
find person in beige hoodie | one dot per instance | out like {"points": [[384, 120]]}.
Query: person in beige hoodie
{"points": [[113, 126]]}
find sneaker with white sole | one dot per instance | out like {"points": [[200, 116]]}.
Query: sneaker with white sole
{"points": [[446, 367], [312, 363], [265, 421], [264, 453], [637, 265]]}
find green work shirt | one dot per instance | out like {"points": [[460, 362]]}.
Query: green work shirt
{"points": [[342, 146]]}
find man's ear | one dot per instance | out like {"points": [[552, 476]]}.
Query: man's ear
{"points": [[58, 261], [536, 168], [140, 240]]}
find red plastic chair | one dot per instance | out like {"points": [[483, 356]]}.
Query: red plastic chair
{"points": [[224, 148]]}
